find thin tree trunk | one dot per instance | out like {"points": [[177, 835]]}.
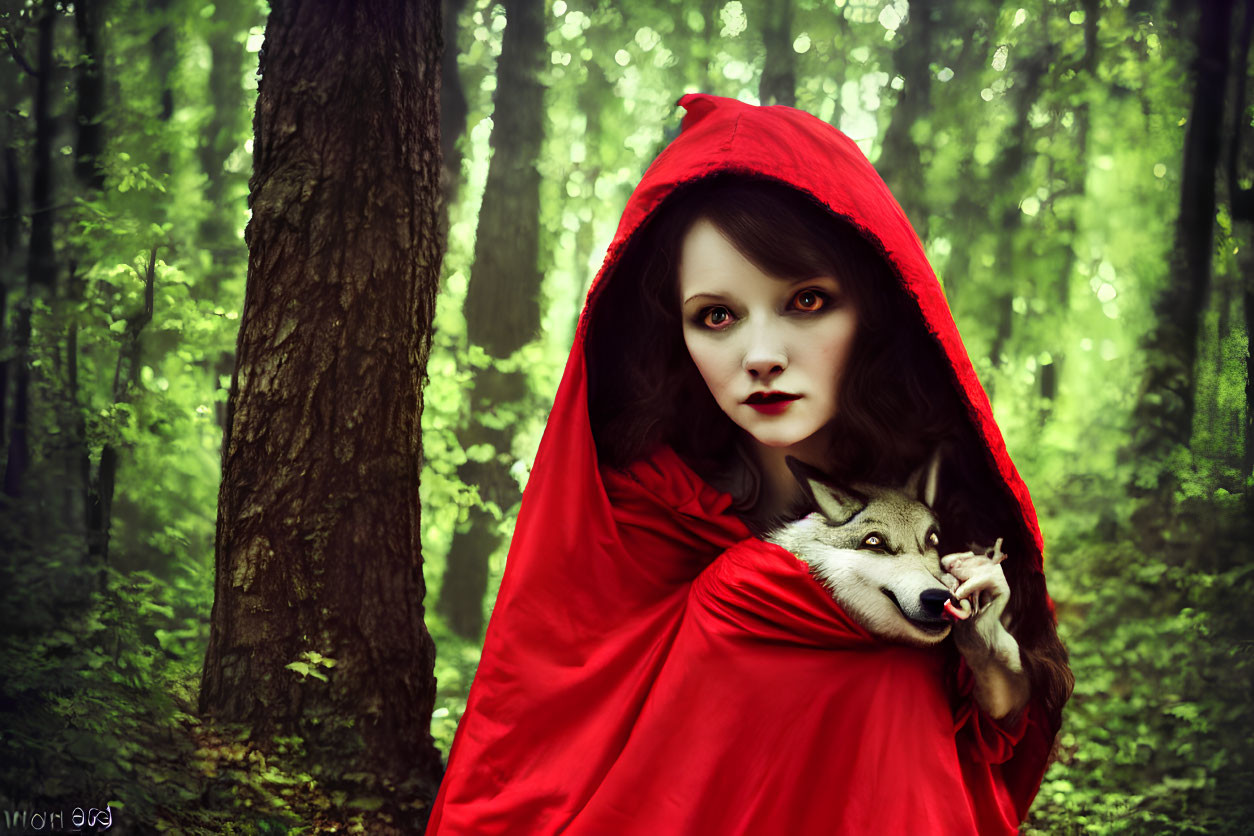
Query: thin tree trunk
{"points": [[1242, 203], [1163, 416], [595, 95], [41, 268], [778, 84], [318, 545], [899, 161], [227, 62], [77, 463], [89, 146], [1248, 457], [453, 109], [99, 487], [10, 240], [88, 17], [1004, 177], [502, 302], [1050, 372], [164, 58]]}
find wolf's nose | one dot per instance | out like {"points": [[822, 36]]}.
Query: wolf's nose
{"points": [[933, 602]]}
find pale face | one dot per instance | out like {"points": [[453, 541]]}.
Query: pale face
{"points": [[772, 351]]}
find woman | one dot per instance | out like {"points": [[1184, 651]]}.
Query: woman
{"points": [[652, 666]]}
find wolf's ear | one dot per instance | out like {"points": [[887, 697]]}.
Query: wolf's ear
{"points": [[922, 483], [836, 504]]}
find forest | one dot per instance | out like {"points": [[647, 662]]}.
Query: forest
{"points": [[274, 628]]}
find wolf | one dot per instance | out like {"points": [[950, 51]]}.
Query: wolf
{"points": [[876, 549]]}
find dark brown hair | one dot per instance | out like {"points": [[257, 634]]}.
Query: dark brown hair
{"points": [[898, 398]]}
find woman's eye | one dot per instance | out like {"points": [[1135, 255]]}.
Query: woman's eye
{"points": [[809, 301], [873, 541], [716, 318]]}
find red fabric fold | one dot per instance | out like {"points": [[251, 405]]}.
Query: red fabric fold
{"points": [[651, 668], [849, 735]]}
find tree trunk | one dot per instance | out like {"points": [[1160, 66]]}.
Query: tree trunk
{"points": [[502, 301], [318, 545], [899, 161], [227, 62], [1051, 372], [88, 17], [1242, 202], [596, 97], [10, 239], [1163, 416], [41, 267], [164, 59], [80, 492], [1248, 459], [778, 84], [1005, 174], [453, 110]]}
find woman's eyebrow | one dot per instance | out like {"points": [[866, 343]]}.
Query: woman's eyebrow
{"points": [[704, 295], [820, 277]]}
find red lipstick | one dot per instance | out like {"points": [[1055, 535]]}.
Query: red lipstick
{"points": [[770, 403]]}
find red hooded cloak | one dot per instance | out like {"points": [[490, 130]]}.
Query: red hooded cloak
{"points": [[650, 667]]}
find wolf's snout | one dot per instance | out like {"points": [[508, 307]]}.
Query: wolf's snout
{"points": [[933, 602]]}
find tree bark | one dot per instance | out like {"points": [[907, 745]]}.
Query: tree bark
{"points": [[88, 17], [1242, 202], [228, 60], [1005, 173], [318, 543], [10, 239], [502, 302], [41, 267], [1248, 458], [164, 58], [778, 84], [1163, 416], [1051, 372], [899, 161], [453, 109]]}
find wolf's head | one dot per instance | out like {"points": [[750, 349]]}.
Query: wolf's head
{"points": [[875, 549]]}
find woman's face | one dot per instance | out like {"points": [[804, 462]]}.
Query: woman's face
{"points": [[771, 350]]}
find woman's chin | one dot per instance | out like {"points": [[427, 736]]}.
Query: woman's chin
{"points": [[781, 441], [795, 438]]}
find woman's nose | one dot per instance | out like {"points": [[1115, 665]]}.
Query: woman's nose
{"points": [[765, 357]]}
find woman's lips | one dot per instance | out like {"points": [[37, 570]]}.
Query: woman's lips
{"points": [[770, 403]]}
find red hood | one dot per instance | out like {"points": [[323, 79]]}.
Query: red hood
{"points": [[724, 135], [598, 600]]}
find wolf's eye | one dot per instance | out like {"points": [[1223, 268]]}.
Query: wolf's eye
{"points": [[873, 541], [933, 540]]}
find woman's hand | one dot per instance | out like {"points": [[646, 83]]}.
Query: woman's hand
{"points": [[981, 630]]}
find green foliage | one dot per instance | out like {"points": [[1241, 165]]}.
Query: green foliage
{"points": [[309, 663], [455, 666], [96, 684], [1157, 738]]}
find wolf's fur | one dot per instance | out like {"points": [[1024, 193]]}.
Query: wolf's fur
{"points": [[894, 590]]}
